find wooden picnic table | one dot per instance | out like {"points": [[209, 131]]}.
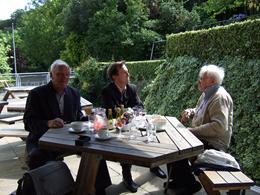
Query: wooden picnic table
{"points": [[175, 142], [21, 89], [19, 105]]}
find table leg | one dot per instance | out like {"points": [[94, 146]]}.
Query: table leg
{"points": [[7, 94], [86, 178]]}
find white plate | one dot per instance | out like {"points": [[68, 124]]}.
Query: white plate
{"points": [[73, 131], [102, 138]]}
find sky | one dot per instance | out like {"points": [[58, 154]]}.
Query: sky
{"points": [[7, 7]]}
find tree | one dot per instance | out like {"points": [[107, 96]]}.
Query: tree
{"points": [[5, 40], [175, 18], [41, 32], [118, 35]]}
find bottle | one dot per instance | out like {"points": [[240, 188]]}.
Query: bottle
{"points": [[122, 109], [110, 119], [118, 117]]}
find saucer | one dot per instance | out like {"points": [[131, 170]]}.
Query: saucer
{"points": [[102, 138], [71, 130]]}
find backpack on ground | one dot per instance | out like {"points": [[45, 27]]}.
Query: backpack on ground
{"points": [[49, 179]]}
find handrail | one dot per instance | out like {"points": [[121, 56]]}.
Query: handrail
{"points": [[28, 78]]}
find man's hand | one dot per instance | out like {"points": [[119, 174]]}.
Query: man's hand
{"points": [[185, 115], [56, 123]]}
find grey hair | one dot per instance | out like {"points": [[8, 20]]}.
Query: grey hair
{"points": [[57, 63], [213, 71]]}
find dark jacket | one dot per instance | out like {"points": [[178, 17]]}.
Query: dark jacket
{"points": [[112, 97], [42, 105]]}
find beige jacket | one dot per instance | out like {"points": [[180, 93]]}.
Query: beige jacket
{"points": [[214, 122]]}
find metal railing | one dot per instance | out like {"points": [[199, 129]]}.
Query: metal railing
{"points": [[27, 79]]}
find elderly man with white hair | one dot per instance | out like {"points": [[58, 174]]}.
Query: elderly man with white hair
{"points": [[212, 122]]}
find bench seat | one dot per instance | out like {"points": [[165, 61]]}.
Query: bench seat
{"points": [[11, 119], [214, 181], [13, 132]]}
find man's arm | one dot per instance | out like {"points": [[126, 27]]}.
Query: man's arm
{"points": [[32, 116], [218, 111]]}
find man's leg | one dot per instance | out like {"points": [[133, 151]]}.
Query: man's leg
{"points": [[182, 176], [38, 157], [127, 177], [103, 179]]}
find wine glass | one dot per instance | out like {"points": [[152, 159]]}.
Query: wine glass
{"points": [[89, 113]]}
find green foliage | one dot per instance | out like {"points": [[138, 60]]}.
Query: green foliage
{"points": [[243, 82], [5, 40], [243, 40], [175, 18], [225, 8], [174, 85], [142, 73], [115, 35], [175, 89], [76, 51], [78, 13], [41, 33], [90, 79]]}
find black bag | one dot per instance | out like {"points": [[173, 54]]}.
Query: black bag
{"points": [[49, 179]]}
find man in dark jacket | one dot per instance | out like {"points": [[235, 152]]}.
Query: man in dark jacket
{"points": [[121, 92], [51, 106]]}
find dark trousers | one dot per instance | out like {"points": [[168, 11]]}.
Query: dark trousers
{"points": [[126, 171], [182, 172]]}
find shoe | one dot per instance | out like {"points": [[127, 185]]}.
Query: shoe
{"points": [[182, 188], [158, 172], [195, 187], [173, 184], [131, 185], [100, 192]]}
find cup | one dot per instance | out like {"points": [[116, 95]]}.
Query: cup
{"points": [[103, 133], [78, 125]]}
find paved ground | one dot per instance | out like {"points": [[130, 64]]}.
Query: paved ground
{"points": [[12, 167]]}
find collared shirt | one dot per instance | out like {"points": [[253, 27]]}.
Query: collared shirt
{"points": [[60, 99], [199, 113]]}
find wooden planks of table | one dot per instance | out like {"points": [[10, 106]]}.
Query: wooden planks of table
{"points": [[175, 142]]}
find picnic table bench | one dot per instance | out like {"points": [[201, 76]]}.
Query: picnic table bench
{"points": [[214, 181]]}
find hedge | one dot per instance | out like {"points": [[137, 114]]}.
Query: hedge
{"points": [[238, 39]]}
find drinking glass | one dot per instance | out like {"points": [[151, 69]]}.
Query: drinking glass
{"points": [[90, 115], [151, 132]]}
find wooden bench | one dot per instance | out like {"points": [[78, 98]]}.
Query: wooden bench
{"points": [[12, 119], [214, 181], [13, 132]]}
